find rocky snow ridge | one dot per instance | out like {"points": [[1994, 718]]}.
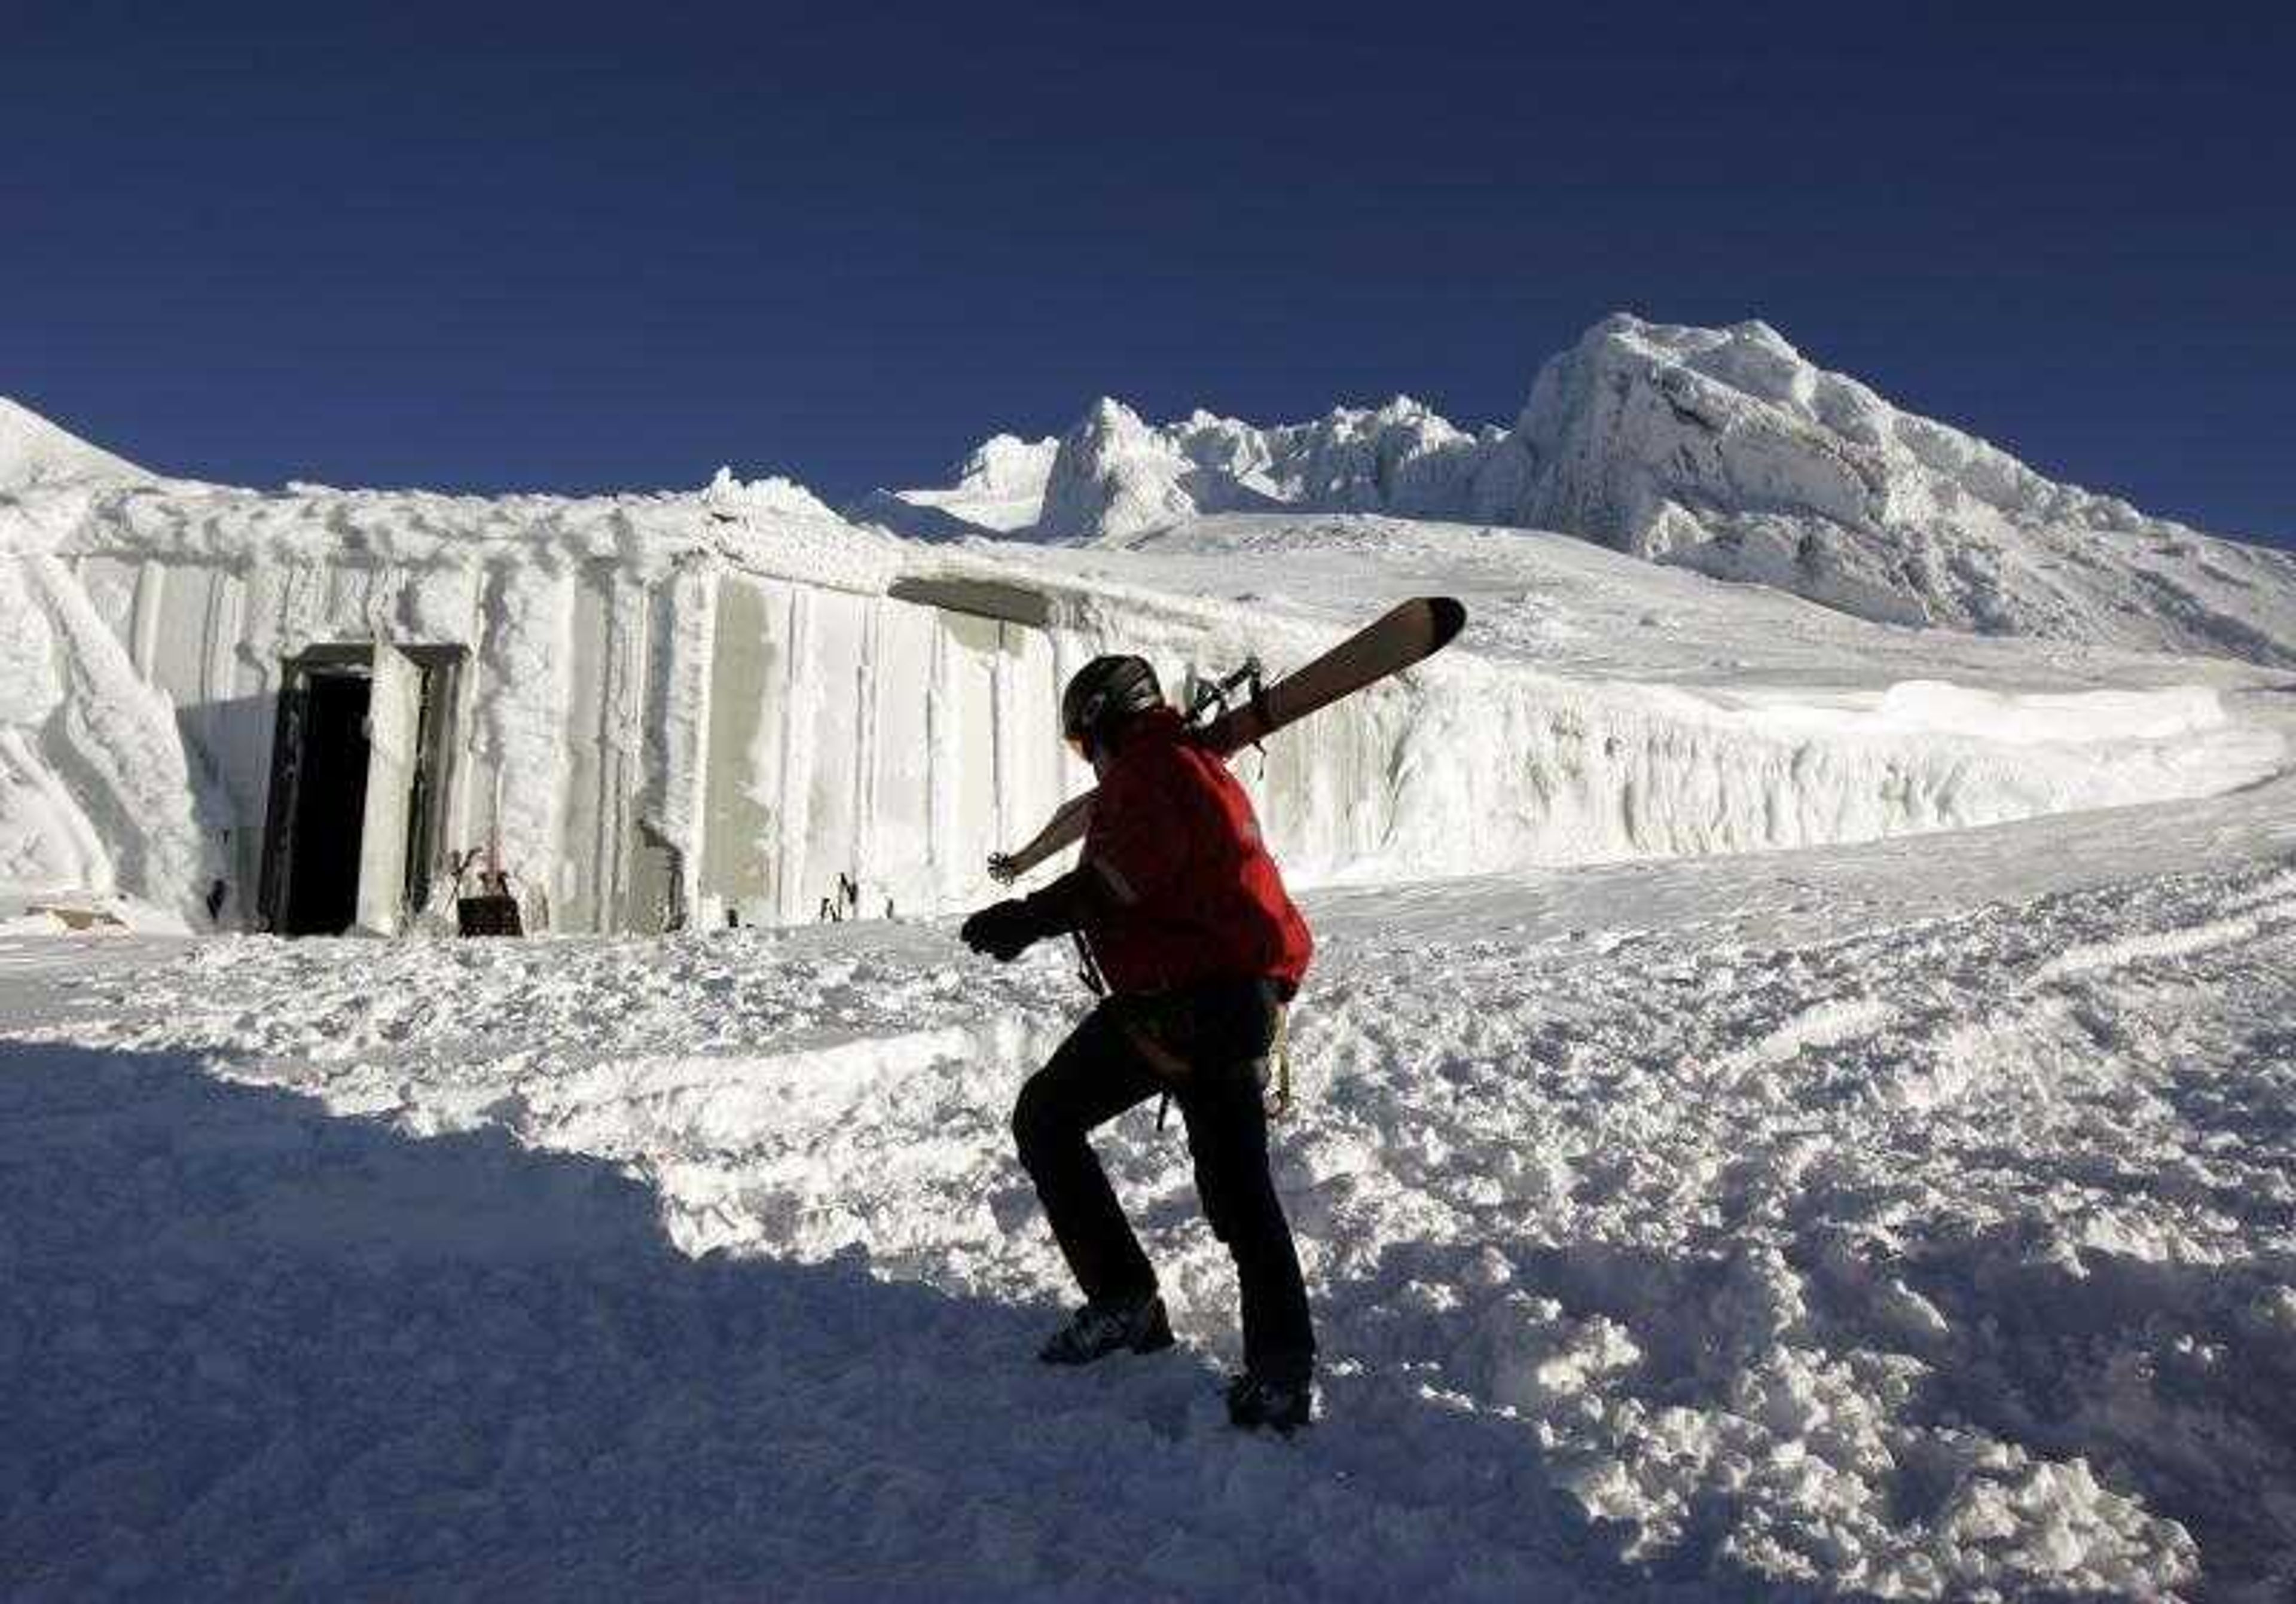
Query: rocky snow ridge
{"points": [[1114, 475], [1724, 451]]}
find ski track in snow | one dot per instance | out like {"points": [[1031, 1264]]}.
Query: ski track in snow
{"points": [[1785, 1227]]}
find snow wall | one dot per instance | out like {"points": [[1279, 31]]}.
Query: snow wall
{"points": [[547, 710], [1466, 765], [645, 725]]}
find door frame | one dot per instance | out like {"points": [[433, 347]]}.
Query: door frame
{"points": [[431, 785]]}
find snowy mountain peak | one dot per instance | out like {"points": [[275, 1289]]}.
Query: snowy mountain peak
{"points": [[35, 452], [1008, 465], [1114, 475], [1108, 415], [1117, 476], [1726, 451], [1722, 450]]}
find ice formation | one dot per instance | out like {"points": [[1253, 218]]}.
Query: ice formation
{"points": [[1722, 450], [1726, 451]]}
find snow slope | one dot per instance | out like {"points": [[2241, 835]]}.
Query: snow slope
{"points": [[34, 454], [1000, 487], [1911, 1220], [1722, 450]]}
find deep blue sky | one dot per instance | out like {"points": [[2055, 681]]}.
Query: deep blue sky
{"points": [[581, 246]]}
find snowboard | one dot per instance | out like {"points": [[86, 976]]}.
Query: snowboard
{"points": [[1410, 632]]}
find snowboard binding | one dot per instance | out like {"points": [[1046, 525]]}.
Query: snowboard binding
{"points": [[1213, 697]]}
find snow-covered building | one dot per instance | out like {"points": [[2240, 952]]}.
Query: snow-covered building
{"points": [[300, 711]]}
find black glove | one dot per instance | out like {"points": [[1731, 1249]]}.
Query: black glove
{"points": [[1004, 931], [1009, 928]]}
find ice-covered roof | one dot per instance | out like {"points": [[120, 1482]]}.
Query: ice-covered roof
{"points": [[769, 526]]}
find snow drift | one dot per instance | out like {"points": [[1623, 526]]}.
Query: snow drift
{"points": [[1722, 450]]}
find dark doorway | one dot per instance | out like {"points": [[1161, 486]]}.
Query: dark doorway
{"points": [[360, 768], [330, 806]]}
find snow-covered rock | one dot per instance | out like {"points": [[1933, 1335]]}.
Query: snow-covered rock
{"points": [[1115, 476], [1726, 451], [1722, 450]]}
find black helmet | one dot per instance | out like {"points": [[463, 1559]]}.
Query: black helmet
{"points": [[1102, 694]]}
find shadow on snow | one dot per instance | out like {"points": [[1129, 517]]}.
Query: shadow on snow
{"points": [[252, 1347]]}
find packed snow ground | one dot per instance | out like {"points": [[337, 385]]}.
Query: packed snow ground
{"points": [[1912, 1219]]}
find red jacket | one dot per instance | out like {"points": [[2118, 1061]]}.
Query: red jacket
{"points": [[1196, 896]]}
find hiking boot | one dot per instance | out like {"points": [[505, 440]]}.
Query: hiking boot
{"points": [[1101, 1328], [1281, 1406]]}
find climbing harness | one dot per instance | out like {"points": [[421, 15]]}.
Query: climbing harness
{"points": [[1272, 1070]]}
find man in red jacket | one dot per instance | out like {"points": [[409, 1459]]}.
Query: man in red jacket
{"points": [[1187, 919]]}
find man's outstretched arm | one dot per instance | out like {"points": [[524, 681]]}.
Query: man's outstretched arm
{"points": [[1008, 928]]}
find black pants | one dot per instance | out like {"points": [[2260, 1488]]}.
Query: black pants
{"points": [[1213, 1039]]}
